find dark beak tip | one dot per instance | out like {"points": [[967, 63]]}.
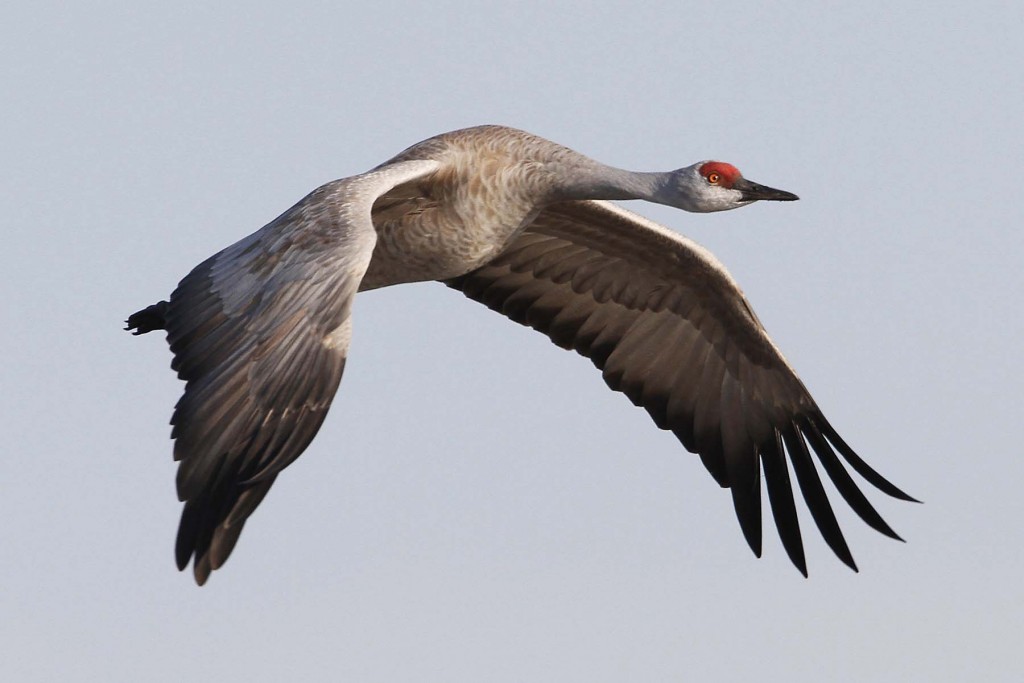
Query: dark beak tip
{"points": [[756, 192], [779, 195], [773, 196]]}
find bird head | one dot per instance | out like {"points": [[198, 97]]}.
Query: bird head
{"points": [[714, 186]]}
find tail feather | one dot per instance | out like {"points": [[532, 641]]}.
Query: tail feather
{"points": [[148, 319]]}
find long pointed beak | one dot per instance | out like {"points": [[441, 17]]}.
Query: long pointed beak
{"points": [[753, 192]]}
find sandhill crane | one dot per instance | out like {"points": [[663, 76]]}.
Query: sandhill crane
{"points": [[260, 331]]}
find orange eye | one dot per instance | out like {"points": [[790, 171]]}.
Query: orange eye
{"points": [[713, 178]]}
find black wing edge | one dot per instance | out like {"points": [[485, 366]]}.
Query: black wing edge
{"points": [[814, 430], [739, 470]]}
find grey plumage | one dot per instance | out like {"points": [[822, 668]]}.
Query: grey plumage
{"points": [[260, 331]]}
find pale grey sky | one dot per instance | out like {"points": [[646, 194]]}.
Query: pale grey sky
{"points": [[478, 506]]}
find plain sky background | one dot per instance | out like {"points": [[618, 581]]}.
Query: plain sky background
{"points": [[478, 506]]}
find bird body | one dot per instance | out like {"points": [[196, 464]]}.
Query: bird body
{"points": [[260, 331], [493, 181]]}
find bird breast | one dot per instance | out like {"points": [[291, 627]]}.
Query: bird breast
{"points": [[451, 223]]}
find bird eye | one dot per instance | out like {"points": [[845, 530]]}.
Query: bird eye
{"points": [[713, 178]]}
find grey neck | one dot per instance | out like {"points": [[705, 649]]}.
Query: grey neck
{"points": [[589, 179]]}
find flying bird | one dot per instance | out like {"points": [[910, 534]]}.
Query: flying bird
{"points": [[260, 331]]}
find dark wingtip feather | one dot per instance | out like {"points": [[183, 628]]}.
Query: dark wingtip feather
{"points": [[815, 496], [748, 512], [861, 467], [745, 482], [201, 570], [844, 483], [780, 496]]}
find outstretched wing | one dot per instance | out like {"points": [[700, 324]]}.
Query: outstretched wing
{"points": [[669, 327], [260, 334]]}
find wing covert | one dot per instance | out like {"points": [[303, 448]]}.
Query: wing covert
{"points": [[260, 334], [668, 327]]}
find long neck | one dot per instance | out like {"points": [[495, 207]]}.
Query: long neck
{"points": [[584, 178]]}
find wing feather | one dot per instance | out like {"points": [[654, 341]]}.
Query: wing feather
{"points": [[669, 327], [260, 334]]}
